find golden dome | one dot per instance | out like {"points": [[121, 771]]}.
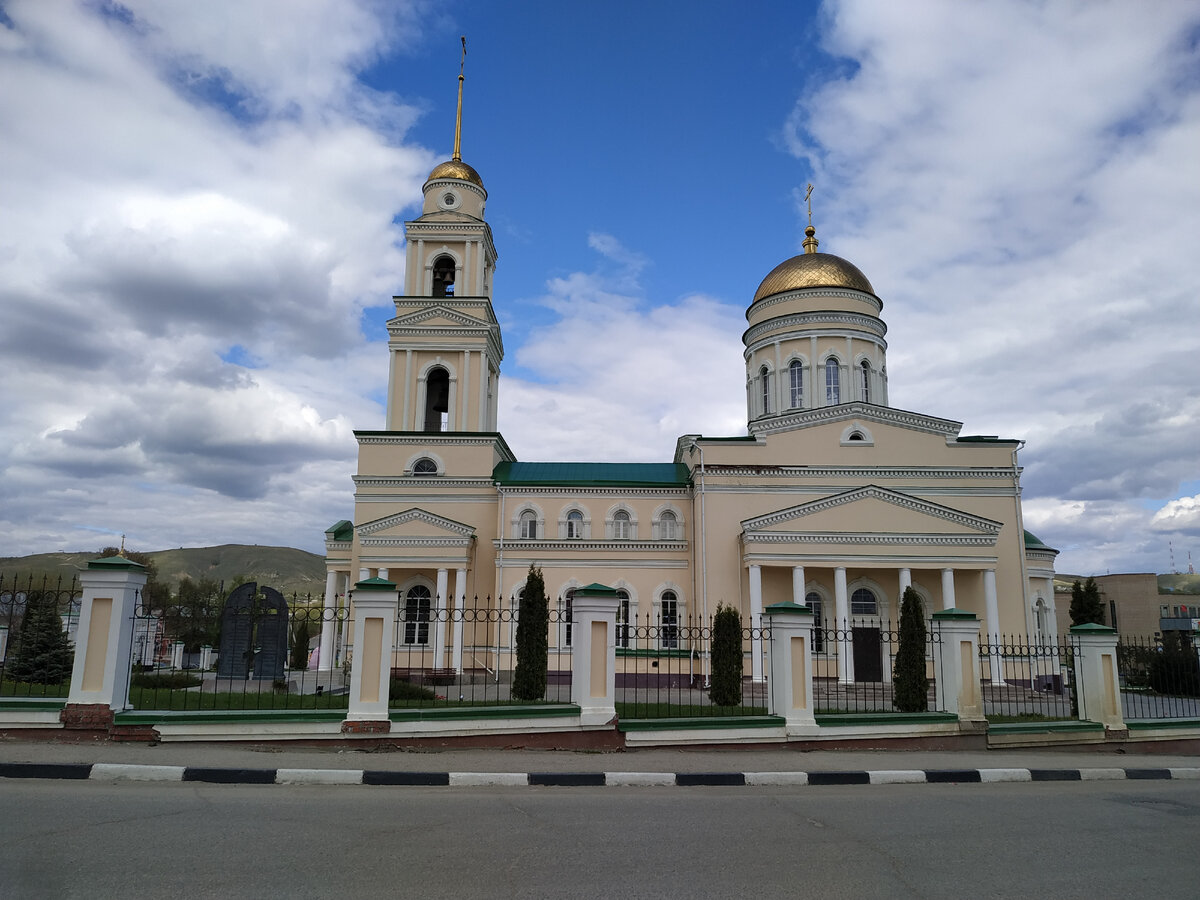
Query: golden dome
{"points": [[813, 270], [456, 168]]}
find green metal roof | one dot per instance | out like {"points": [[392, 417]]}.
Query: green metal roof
{"points": [[1033, 541], [574, 474], [342, 530]]}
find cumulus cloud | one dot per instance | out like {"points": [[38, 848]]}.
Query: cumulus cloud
{"points": [[1020, 182]]}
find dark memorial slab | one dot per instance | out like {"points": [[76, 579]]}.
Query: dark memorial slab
{"points": [[254, 633]]}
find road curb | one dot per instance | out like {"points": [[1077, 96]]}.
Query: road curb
{"points": [[112, 772]]}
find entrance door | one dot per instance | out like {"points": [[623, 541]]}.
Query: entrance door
{"points": [[868, 658]]}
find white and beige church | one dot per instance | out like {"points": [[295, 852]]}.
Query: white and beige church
{"points": [[832, 498]]}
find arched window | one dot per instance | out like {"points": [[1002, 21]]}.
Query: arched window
{"points": [[813, 601], [443, 277], [437, 400], [796, 376], [623, 624], [622, 527], [667, 526], [425, 466], [765, 374], [866, 381], [417, 603], [833, 388], [568, 602], [574, 524], [668, 621], [863, 603], [528, 525]]}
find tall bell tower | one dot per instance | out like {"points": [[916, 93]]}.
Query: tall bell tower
{"points": [[444, 342]]}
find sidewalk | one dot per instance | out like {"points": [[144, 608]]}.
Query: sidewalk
{"points": [[660, 760]]}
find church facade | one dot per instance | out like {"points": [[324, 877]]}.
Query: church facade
{"points": [[832, 497]]}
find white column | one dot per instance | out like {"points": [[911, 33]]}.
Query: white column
{"points": [[483, 397], [1052, 625], [328, 623], [956, 664], [841, 626], [992, 609], [756, 666], [798, 592], [463, 425], [947, 589], [905, 584], [452, 404], [390, 412], [364, 574], [383, 573], [441, 603], [460, 603], [406, 422], [1096, 677]]}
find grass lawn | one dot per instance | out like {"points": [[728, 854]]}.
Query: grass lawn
{"points": [[39, 691]]}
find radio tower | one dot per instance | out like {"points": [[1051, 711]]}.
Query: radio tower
{"points": [[1191, 571], [1171, 547]]}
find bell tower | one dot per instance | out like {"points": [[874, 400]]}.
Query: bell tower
{"points": [[444, 342]]}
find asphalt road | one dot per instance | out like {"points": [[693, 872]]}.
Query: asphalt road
{"points": [[64, 839]]}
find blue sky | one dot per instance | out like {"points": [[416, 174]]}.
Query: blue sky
{"points": [[204, 208]]}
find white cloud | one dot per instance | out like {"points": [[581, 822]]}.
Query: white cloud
{"points": [[1182, 514]]}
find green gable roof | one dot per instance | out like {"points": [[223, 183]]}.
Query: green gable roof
{"points": [[340, 531], [559, 474]]}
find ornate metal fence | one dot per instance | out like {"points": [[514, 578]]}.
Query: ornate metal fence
{"points": [[1159, 676], [467, 656], [664, 670], [1028, 678], [38, 621], [251, 651], [853, 665]]}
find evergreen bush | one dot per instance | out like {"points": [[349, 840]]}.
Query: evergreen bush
{"points": [[42, 654], [533, 645], [1176, 670], [1086, 606], [300, 639], [910, 682], [399, 689], [167, 681], [726, 689]]}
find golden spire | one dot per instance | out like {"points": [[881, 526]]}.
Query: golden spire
{"points": [[457, 157], [810, 241], [121, 552]]}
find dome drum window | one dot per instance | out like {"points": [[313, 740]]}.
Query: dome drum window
{"points": [[425, 466]]}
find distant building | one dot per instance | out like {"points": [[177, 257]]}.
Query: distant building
{"points": [[1132, 603]]}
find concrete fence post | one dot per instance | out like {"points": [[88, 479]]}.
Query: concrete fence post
{"points": [[789, 688], [103, 642], [1097, 681], [375, 602], [594, 654], [956, 668]]}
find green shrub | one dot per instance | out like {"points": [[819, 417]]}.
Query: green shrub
{"points": [[909, 679], [726, 689], [42, 653], [167, 681], [533, 623], [1175, 670]]}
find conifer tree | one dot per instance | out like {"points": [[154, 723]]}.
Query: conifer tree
{"points": [[910, 682], [533, 624], [726, 688], [42, 654], [1086, 606]]}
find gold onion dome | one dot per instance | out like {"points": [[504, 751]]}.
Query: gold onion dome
{"points": [[456, 168], [812, 269]]}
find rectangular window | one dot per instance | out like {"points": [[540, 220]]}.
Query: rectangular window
{"points": [[668, 630], [416, 620], [623, 624], [797, 374]]}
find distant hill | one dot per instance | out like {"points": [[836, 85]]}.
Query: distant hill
{"points": [[1179, 584], [283, 568]]}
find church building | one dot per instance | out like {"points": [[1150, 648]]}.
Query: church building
{"points": [[832, 497]]}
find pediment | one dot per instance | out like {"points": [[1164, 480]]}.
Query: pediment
{"points": [[436, 316], [415, 523], [871, 510]]}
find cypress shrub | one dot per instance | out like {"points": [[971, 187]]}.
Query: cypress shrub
{"points": [[42, 654], [399, 690], [910, 683], [533, 625], [1175, 670], [300, 639], [726, 689]]}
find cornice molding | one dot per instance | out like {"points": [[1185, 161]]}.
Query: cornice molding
{"points": [[804, 418], [860, 321], [614, 546], [872, 492], [417, 481], [801, 293], [415, 542], [616, 491], [867, 537], [437, 438], [719, 470]]}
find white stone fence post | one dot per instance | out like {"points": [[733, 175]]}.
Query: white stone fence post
{"points": [[956, 668], [100, 674], [594, 654], [375, 602], [790, 686], [1097, 682]]}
